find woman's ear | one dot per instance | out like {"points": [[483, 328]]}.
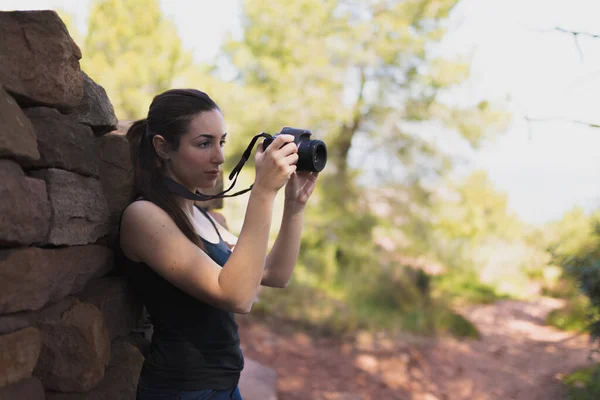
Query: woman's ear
{"points": [[161, 146]]}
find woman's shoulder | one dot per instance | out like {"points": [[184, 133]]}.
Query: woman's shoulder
{"points": [[144, 213], [137, 206], [140, 222]]}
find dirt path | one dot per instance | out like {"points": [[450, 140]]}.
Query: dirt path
{"points": [[517, 358]]}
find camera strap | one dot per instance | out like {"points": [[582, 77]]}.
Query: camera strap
{"points": [[182, 191]]}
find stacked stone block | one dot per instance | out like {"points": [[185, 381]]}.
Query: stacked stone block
{"points": [[70, 328], [66, 315]]}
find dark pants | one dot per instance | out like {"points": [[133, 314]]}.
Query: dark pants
{"points": [[145, 391]]}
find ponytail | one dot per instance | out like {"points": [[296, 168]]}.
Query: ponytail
{"points": [[148, 182]]}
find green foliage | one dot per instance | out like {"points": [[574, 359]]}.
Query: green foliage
{"points": [[309, 307], [394, 305], [465, 288], [478, 211], [399, 297], [448, 322], [337, 239], [361, 75], [584, 384], [467, 227], [574, 316], [354, 70], [454, 224], [575, 234], [575, 245], [587, 272], [134, 55]]}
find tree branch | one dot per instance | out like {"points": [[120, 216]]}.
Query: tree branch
{"points": [[344, 140], [576, 35], [561, 119]]}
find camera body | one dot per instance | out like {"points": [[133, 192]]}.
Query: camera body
{"points": [[312, 154]]}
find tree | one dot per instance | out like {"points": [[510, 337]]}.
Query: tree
{"points": [[354, 68], [575, 246], [358, 73], [478, 210], [134, 55]]}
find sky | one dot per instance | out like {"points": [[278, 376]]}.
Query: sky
{"points": [[545, 167]]}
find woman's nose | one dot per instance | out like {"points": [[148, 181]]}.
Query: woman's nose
{"points": [[219, 156]]}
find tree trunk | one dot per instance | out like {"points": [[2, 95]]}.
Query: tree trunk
{"points": [[343, 141]]}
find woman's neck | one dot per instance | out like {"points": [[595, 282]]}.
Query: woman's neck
{"points": [[186, 204]]}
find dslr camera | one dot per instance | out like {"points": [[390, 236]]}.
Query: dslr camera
{"points": [[312, 154]]}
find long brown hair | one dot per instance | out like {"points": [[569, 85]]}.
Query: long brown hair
{"points": [[169, 115]]}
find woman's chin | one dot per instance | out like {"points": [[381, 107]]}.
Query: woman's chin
{"points": [[208, 184]]}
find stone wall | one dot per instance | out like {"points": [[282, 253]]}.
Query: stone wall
{"points": [[68, 321], [66, 316], [70, 328]]}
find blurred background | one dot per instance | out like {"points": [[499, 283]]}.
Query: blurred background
{"points": [[463, 136]]}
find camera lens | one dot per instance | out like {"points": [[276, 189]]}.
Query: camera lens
{"points": [[319, 155], [312, 156]]}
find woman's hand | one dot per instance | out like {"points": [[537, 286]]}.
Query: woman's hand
{"points": [[299, 188], [277, 164]]}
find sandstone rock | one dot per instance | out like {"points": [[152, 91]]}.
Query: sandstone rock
{"points": [[116, 172], [95, 110], [63, 142], [32, 277], [52, 311], [23, 319], [24, 207], [39, 61], [120, 378], [10, 323], [121, 308], [75, 350], [258, 382], [29, 389], [79, 208], [19, 352], [17, 137]]}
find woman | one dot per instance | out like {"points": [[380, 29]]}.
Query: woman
{"points": [[180, 260]]}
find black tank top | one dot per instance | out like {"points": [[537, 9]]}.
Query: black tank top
{"points": [[195, 346]]}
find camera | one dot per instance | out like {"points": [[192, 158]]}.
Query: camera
{"points": [[312, 154]]}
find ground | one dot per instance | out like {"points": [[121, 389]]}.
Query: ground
{"points": [[517, 358]]}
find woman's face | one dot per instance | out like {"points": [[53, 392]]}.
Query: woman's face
{"points": [[196, 163]]}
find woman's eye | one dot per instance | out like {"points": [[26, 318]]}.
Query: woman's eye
{"points": [[204, 144], [223, 143]]}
